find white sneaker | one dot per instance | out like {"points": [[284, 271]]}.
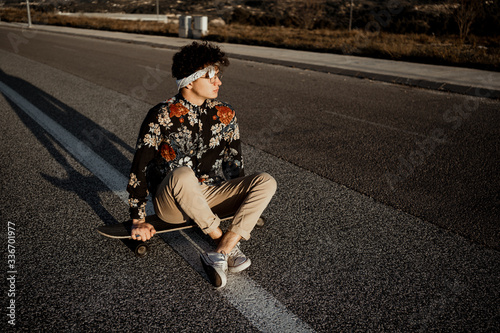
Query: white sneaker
{"points": [[215, 265], [237, 261]]}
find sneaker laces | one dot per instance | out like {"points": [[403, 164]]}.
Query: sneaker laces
{"points": [[218, 259], [236, 252]]}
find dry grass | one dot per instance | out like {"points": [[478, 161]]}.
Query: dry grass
{"points": [[481, 53], [143, 27]]}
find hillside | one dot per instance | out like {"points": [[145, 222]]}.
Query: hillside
{"points": [[402, 16], [417, 31]]}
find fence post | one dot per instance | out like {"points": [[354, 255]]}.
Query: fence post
{"points": [[29, 13], [350, 17]]}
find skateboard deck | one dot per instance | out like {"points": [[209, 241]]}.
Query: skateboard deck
{"points": [[122, 230], [140, 248]]}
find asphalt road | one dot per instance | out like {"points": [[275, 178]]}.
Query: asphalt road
{"points": [[386, 216]]}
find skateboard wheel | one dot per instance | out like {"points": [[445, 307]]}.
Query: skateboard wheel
{"points": [[260, 222], [141, 250]]}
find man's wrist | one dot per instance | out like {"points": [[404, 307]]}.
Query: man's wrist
{"points": [[138, 221]]}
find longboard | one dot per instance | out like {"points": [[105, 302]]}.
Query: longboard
{"points": [[122, 230], [140, 248]]}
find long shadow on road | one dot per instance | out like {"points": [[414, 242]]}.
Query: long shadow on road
{"points": [[101, 141]]}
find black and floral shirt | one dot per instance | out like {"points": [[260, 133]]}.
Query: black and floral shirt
{"points": [[177, 133]]}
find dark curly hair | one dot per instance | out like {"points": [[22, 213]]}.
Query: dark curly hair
{"points": [[196, 56]]}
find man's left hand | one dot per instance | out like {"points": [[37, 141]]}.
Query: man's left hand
{"points": [[142, 231]]}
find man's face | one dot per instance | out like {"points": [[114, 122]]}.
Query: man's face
{"points": [[206, 87]]}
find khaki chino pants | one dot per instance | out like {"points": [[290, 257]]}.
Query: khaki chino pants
{"points": [[180, 197]]}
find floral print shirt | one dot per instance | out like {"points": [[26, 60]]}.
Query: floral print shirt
{"points": [[177, 133]]}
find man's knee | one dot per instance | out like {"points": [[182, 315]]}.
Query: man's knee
{"points": [[182, 172], [180, 175], [267, 181], [178, 180]]}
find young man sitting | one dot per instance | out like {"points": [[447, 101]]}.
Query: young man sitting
{"points": [[188, 156]]}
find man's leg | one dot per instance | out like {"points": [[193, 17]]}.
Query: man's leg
{"points": [[180, 197], [246, 198]]}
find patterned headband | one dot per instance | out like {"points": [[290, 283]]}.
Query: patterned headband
{"points": [[196, 75]]}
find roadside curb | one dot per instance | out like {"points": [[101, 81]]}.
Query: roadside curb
{"points": [[424, 84], [442, 86]]}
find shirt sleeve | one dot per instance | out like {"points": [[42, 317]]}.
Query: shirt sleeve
{"points": [[146, 150], [233, 166]]}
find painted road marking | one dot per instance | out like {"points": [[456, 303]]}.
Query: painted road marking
{"points": [[379, 125], [256, 304]]}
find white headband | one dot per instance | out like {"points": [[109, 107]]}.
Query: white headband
{"points": [[195, 76]]}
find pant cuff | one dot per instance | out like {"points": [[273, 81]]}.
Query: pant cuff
{"points": [[212, 225], [239, 231]]}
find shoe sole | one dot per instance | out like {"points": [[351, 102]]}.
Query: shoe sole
{"points": [[216, 276], [239, 268]]}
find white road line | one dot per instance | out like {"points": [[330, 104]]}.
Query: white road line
{"points": [[256, 304], [64, 48], [379, 125], [93, 162]]}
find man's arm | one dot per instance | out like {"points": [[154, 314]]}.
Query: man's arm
{"points": [[233, 166], [147, 147]]}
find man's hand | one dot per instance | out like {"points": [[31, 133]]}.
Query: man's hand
{"points": [[141, 230]]}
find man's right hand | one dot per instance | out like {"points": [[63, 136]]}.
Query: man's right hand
{"points": [[141, 230]]}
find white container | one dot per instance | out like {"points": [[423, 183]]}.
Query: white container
{"points": [[185, 30], [201, 23], [200, 26]]}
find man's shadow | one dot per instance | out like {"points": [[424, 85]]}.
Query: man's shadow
{"points": [[102, 142]]}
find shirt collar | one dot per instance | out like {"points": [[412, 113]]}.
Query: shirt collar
{"points": [[190, 105]]}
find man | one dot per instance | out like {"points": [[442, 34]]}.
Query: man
{"points": [[189, 158]]}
